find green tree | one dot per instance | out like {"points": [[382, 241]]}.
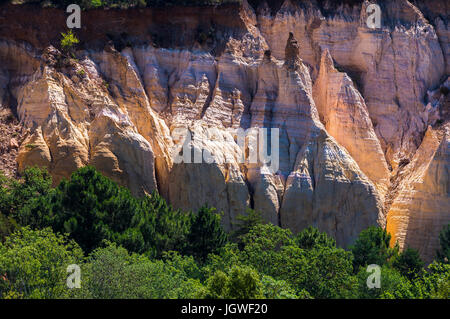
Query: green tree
{"points": [[443, 254], [111, 272], [33, 264], [244, 223], [92, 208], [372, 247], [206, 234], [311, 237], [328, 273], [393, 285], [242, 282], [279, 289], [167, 229], [7, 226], [434, 282], [323, 271], [89, 207], [408, 263], [263, 247], [15, 194]]}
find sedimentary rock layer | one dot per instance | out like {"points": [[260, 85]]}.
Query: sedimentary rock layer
{"points": [[351, 106]]}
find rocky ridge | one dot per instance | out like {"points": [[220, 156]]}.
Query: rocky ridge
{"points": [[362, 113]]}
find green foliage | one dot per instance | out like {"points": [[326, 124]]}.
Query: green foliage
{"points": [[280, 289], [244, 223], [206, 234], [434, 282], [91, 208], [111, 272], [224, 258], [15, 194], [96, 3], [242, 282], [33, 264], [186, 264], [372, 247], [68, 41], [443, 254], [7, 226], [393, 285], [322, 271], [311, 237], [165, 228], [408, 263], [263, 247], [4, 194], [154, 251], [328, 273]]}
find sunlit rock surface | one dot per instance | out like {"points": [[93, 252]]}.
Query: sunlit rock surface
{"points": [[362, 113]]}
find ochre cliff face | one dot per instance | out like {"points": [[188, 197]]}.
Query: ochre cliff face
{"points": [[362, 113]]}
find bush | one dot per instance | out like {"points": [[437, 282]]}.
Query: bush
{"points": [[33, 264], [15, 194], [111, 272], [393, 285], [242, 282], [68, 41]]}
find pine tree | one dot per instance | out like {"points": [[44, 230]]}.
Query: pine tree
{"points": [[206, 235]]}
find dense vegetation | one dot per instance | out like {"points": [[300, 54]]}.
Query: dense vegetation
{"points": [[131, 247]]}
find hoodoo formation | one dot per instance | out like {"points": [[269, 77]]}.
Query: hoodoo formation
{"points": [[363, 114]]}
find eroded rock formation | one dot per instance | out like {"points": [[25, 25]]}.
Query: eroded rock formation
{"points": [[352, 106]]}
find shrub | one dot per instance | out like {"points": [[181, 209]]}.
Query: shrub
{"points": [[393, 285], [111, 272], [15, 194], [242, 282], [68, 41], [33, 264]]}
